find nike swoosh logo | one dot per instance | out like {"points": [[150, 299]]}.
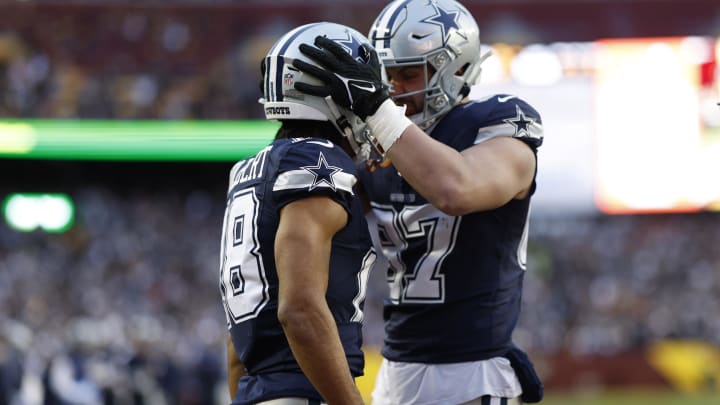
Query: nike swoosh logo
{"points": [[504, 99], [326, 144], [418, 36], [370, 87]]}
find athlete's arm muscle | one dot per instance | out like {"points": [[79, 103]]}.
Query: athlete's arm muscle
{"points": [[235, 368], [302, 256], [482, 177]]}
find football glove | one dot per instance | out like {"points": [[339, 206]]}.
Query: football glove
{"points": [[355, 84]]}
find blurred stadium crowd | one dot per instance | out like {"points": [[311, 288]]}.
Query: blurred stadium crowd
{"points": [[180, 59], [124, 307], [130, 63]]}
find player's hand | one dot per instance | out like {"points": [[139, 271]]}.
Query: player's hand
{"points": [[353, 84]]}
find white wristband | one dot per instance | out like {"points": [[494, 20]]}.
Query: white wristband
{"points": [[388, 123]]}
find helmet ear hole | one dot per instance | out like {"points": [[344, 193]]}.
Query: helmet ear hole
{"points": [[462, 70]]}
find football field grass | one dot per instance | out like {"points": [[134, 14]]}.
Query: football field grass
{"points": [[630, 397]]}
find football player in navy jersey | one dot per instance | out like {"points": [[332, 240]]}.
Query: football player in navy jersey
{"points": [[450, 214], [296, 251]]}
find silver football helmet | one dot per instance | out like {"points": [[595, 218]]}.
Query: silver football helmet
{"points": [[441, 34], [283, 102]]}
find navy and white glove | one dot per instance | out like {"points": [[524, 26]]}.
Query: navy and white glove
{"points": [[353, 84]]}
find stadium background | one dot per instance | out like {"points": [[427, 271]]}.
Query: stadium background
{"points": [[133, 111]]}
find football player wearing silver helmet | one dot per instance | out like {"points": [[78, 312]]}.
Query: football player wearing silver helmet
{"points": [[439, 43], [295, 251], [280, 78], [451, 213]]}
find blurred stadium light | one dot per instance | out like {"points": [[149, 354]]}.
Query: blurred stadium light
{"points": [[48, 212]]}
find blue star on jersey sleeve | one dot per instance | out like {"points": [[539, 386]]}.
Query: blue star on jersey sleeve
{"points": [[323, 173], [503, 115], [315, 167], [520, 122]]}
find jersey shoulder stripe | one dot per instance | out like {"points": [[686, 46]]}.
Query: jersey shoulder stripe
{"points": [[308, 179], [503, 115], [311, 163]]}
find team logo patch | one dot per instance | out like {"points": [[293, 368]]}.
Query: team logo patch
{"points": [[323, 173], [522, 123]]}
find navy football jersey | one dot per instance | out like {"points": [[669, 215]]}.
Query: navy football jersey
{"points": [[286, 171], [455, 281]]}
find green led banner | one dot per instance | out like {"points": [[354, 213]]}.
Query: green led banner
{"points": [[134, 140]]}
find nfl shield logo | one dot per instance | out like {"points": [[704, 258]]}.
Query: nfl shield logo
{"points": [[288, 79]]}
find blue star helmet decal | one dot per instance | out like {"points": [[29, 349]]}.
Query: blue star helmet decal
{"points": [[323, 173], [445, 19], [350, 44], [520, 122]]}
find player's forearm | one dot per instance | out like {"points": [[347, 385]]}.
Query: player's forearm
{"points": [[302, 255], [315, 342], [436, 171]]}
